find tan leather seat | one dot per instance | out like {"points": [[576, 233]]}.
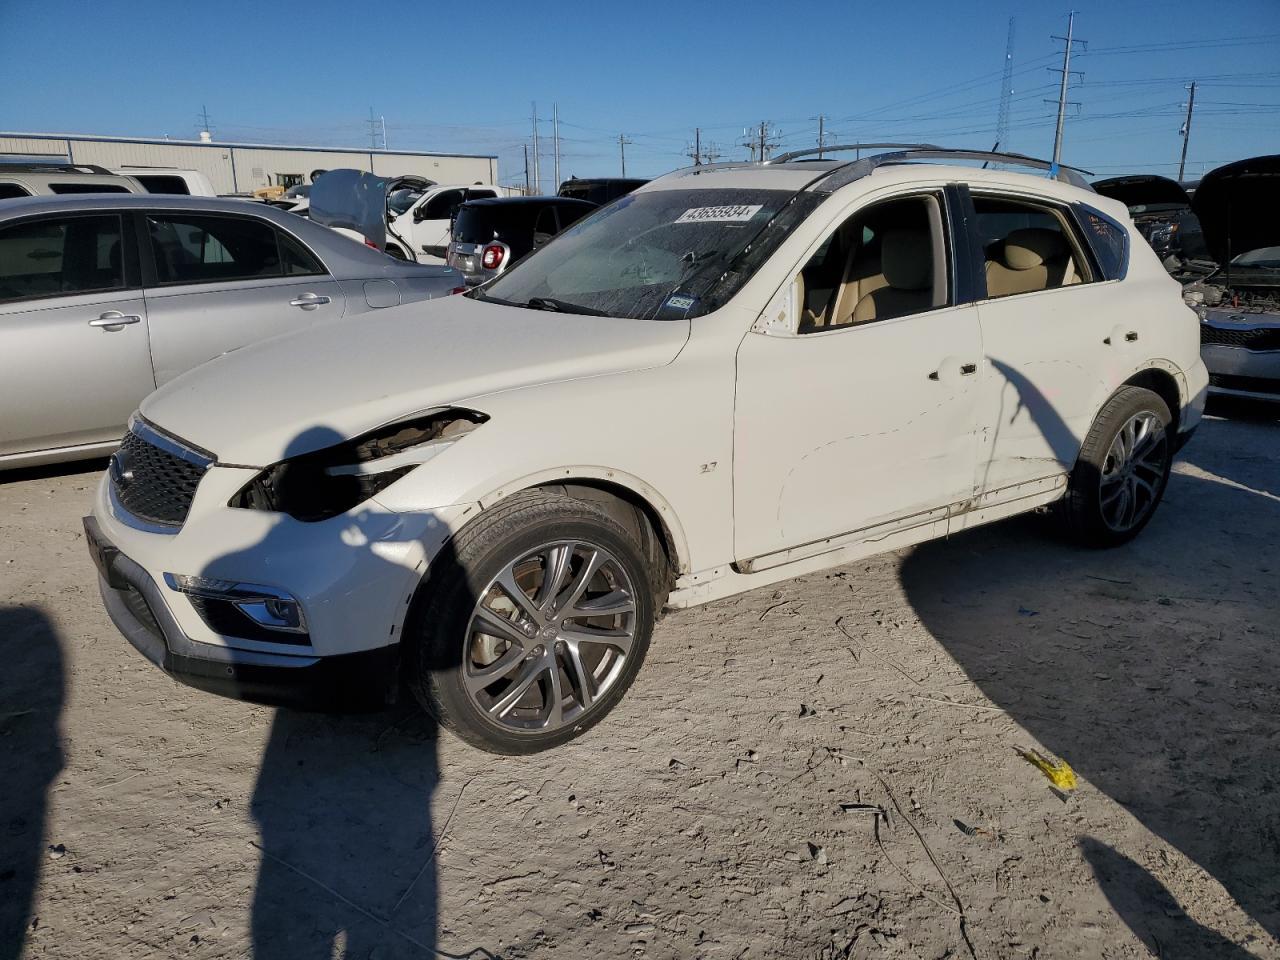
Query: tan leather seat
{"points": [[1030, 259], [906, 259]]}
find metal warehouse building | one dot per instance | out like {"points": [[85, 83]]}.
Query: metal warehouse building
{"points": [[244, 167]]}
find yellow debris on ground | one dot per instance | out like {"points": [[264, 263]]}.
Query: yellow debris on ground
{"points": [[1059, 772]]}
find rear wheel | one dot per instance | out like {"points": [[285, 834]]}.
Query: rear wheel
{"points": [[532, 625], [1122, 471]]}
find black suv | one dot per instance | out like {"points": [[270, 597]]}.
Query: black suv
{"points": [[601, 190], [490, 235]]}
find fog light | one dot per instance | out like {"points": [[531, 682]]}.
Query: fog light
{"points": [[268, 607]]}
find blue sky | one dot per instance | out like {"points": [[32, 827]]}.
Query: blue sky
{"points": [[652, 71]]}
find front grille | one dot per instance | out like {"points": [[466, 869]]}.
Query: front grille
{"points": [[1251, 338], [1248, 384], [156, 483]]}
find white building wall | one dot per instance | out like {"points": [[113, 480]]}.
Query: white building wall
{"points": [[243, 169]]}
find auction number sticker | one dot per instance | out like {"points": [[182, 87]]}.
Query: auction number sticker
{"points": [[734, 213]]}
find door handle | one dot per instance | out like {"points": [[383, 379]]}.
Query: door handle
{"points": [[968, 369], [309, 301], [950, 367], [114, 318], [1131, 336]]}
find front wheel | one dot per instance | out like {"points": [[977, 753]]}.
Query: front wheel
{"points": [[1122, 470], [532, 625]]}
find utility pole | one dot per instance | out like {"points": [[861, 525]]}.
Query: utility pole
{"points": [[205, 130], [537, 172], [526, 170], [622, 150], [1006, 93], [822, 133], [760, 141], [1062, 90], [1186, 131], [384, 132], [555, 133], [696, 152], [711, 154], [373, 130]]}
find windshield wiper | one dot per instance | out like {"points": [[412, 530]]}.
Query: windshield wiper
{"points": [[561, 306]]}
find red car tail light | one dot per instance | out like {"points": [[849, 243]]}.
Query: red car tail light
{"points": [[491, 259]]}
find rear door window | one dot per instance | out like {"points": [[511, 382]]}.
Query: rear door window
{"points": [[11, 191], [443, 205], [61, 257], [210, 249]]}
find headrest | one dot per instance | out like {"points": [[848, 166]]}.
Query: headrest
{"points": [[1032, 247], [906, 259]]}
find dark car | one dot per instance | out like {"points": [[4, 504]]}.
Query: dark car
{"points": [[1238, 206], [490, 235], [601, 190], [1162, 212]]}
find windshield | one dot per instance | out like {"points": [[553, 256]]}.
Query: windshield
{"points": [[665, 253], [401, 200], [1263, 257]]}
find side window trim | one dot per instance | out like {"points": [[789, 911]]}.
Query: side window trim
{"points": [[970, 280]]}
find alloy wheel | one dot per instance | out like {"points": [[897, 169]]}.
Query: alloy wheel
{"points": [[549, 636], [1133, 473]]}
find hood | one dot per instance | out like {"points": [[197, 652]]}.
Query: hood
{"points": [[1239, 207], [351, 375], [1143, 190]]}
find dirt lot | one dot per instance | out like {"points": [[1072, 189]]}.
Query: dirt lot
{"points": [[826, 769]]}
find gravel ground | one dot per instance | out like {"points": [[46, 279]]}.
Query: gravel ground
{"points": [[824, 769]]}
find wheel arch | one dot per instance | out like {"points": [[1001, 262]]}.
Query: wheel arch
{"points": [[617, 491], [1161, 380]]}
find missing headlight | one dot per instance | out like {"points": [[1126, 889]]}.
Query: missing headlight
{"points": [[326, 483]]}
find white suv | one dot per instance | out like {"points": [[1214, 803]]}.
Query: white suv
{"points": [[737, 374]]}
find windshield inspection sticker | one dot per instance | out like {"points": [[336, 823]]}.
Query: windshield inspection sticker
{"points": [[680, 302], [735, 213]]}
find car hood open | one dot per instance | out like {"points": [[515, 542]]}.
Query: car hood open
{"points": [[1145, 189], [1238, 206], [250, 406]]}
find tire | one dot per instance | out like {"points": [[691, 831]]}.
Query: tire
{"points": [[394, 252], [1111, 495], [452, 646]]}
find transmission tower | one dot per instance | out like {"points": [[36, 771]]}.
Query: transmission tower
{"points": [[1066, 73], [1006, 93]]}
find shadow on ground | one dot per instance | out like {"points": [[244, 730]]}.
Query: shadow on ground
{"points": [[1158, 691], [32, 690]]}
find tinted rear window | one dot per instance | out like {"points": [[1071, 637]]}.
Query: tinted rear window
{"points": [[11, 191], [87, 188], [162, 183], [480, 224]]}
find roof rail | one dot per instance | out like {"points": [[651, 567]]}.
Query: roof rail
{"points": [[53, 166], [903, 153], [800, 154]]}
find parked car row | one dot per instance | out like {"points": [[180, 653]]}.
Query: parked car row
{"points": [[105, 296], [730, 376], [1223, 244]]}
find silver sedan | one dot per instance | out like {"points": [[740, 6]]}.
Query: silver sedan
{"points": [[105, 297]]}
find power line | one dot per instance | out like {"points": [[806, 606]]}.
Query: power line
{"points": [[760, 141]]}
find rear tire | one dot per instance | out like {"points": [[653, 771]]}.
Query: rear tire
{"points": [[521, 674], [1122, 471]]}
